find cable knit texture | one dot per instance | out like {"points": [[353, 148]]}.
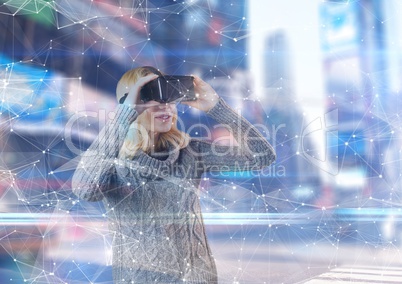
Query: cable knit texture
{"points": [[152, 201]]}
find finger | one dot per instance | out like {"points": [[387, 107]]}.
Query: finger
{"points": [[133, 94], [146, 79], [197, 80], [199, 85], [140, 83]]}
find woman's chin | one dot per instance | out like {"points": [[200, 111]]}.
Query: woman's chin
{"points": [[164, 128], [163, 125]]}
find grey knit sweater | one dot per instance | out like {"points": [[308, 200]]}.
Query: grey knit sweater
{"points": [[152, 201]]}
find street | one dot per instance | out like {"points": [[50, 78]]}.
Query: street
{"points": [[270, 262], [78, 251]]}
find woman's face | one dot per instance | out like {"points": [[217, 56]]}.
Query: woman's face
{"points": [[158, 117]]}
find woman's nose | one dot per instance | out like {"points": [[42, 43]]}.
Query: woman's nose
{"points": [[166, 105]]}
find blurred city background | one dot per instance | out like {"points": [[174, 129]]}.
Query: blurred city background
{"points": [[320, 79]]}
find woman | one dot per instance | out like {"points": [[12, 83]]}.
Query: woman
{"points": [[147, 171]]}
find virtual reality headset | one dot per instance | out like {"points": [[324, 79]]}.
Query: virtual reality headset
{"points": [[169, 88]]}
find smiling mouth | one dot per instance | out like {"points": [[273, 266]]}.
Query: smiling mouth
{"points": [[163, 116]]}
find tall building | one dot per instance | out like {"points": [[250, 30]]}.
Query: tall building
{"points": [[353, 41], [202, 36], [301, 180]]}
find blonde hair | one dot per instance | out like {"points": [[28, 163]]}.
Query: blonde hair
{"points": [[138, 137]]}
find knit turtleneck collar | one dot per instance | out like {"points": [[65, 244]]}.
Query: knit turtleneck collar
{"points": [[157, 160]]}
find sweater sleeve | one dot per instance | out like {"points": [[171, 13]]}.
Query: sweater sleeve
{"points": [[253, 151], [93, 174]]}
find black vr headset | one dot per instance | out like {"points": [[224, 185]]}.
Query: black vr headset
{"points": [[167, 88]]}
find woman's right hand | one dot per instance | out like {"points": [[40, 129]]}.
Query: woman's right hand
{"points": [[133, 97]]}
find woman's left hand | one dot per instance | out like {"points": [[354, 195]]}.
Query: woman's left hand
{"points": [[207, 98]]}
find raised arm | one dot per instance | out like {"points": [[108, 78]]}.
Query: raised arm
{"points": [[253, 151], [93, 174], [92, 178]]}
